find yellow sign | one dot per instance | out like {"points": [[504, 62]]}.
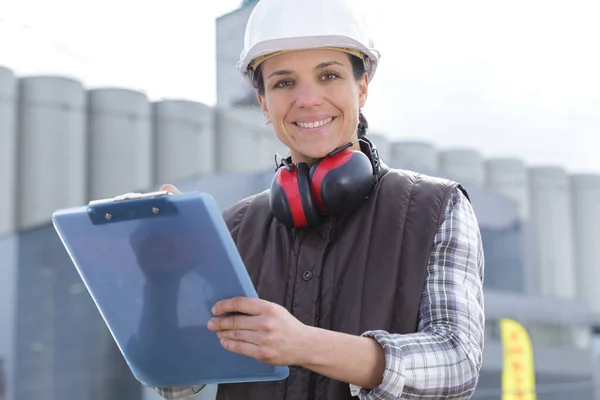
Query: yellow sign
{"points": [[518, 372]]}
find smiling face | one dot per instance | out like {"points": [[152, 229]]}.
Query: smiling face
{"points": [[312, 98]]}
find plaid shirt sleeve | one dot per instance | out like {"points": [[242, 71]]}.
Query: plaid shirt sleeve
{"points": [[179, 392], [443, 359]]}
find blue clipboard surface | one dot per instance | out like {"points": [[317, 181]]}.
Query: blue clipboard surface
{"points": [[154, 265]]}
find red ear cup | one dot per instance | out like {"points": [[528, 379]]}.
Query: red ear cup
{"points": [[290, 198], [336, 184], [341, 182]]}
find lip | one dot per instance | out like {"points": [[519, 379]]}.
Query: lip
{"points": [[313, 118], [317, 130]]}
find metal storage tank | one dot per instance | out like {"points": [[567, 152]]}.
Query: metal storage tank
{"points": [[184, 140], [51, 147], [268, 144], [417, 156], [9, 300], [8, 150], [270, 147], [585, 189], [384, 147], [121, 141], [275, 147], [550, 210], [508, 177], [463, 165], [242, 135]]}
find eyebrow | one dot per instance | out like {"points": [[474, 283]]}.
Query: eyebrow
{"points": [[320, 66], [328, 64]]}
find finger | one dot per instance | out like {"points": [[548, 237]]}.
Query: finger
{"points": [[169, 188], [260, 353], [239, 347], [251, 337], [244, 305], [243, 322]]}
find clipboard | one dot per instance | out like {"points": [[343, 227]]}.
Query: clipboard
{"points": [[154, 265]]}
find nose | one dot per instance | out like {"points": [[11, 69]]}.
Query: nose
{"points": [[308, 95]]}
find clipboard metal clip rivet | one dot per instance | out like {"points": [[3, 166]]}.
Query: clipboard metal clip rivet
{"points": [[155, 210], [108, 216]]}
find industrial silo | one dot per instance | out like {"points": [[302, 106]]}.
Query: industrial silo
{"points": [[463, 165], [267, 143], [383, 144], [550, 208], [184, 140], [241, 137], [272, 147], [120, 142], [51, 147], [8, 150], [416, 156], [585, 192], [509, 178]]}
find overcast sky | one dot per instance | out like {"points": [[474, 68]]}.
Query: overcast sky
{"points": [[514, 78]]}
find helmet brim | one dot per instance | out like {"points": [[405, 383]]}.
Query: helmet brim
{"points": [[306, 43]]}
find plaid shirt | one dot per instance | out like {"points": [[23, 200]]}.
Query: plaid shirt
{"points": [[443, 358]]}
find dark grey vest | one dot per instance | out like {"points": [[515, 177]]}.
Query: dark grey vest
{"points": [[352, 274]]}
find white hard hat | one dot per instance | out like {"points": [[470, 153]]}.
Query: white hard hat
{"points": [[284, 25]]}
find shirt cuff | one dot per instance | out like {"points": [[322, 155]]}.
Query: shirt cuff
{"points": [[393, 377], [179, 392]]}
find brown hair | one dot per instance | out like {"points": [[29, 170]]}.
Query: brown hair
{"points": [[358, 70]]}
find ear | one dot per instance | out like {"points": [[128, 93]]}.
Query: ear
{"points": [[263, 106], [363, 90]]}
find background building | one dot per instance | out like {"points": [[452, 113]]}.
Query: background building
{"points": [[63, 144]]}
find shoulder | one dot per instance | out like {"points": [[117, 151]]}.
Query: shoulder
{"points": [[427, 193], [459, 235], [236, 214], [422, 182], [460, 217]]}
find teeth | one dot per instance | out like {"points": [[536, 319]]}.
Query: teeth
{"points": [[310, 125]]}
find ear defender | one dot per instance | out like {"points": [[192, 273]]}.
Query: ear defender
{"points": [[290, 197], [340, 183], [336, 184]]}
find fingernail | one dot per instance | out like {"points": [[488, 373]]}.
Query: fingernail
{"points": [[210, 323], [213, 309]]}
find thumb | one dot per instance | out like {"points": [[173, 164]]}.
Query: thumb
{"points": [[169, 188]]}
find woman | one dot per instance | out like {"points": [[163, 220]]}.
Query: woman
{"points": [[369, 278]]}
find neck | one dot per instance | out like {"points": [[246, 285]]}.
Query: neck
{"points": [[298, 157]]}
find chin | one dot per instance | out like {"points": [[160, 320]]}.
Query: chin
{"points": [[320, 151]]}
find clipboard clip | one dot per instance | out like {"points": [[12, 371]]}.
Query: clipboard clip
{"points": [[130, 196]]}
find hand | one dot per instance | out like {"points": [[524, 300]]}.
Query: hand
{"points": [[267, 331], [169, 188]]}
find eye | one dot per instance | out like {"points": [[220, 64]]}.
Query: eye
{"points": [[330, 76], [282, 84]]}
